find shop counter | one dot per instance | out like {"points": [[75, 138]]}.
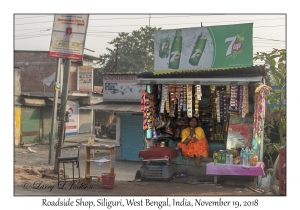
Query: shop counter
{"points": [[219, 169]]}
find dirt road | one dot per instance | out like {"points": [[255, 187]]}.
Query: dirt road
{"points": [[33, 176]]}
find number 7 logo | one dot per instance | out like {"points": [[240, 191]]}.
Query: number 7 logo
{"points": [[232, 40]]}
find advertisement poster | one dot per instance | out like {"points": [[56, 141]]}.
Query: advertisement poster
{"points": [[72, 125], [203, 47], [121, 88], [68, 36], [85, 79]]}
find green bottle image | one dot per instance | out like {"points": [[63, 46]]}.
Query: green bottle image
{"points": [[175, 51], [164, 47], [198, 50]]}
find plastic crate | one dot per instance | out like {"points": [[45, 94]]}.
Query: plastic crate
{"points": [[157, 172], [282, 187]]}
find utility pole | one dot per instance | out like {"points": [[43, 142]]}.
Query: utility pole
{"points": [[149, 19], [116, 60], [54, 112], [62, 114]]}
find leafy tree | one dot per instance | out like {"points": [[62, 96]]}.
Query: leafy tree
{"points": [[275, 63], [135, 52]]}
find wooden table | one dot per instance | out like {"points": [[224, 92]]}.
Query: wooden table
{"points": [[88, 148], [219, 169]]}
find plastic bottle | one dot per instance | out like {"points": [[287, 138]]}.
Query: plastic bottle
{"points": [[242, 156], [246, 158], [231, 158], [227, 158]]}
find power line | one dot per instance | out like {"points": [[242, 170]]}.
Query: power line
{"points": [[268, 39], [268, 26], [30, 29], [132, 62], [33, 36], [140, 18], [34, 23], [155, 17], [31, 32], [172, 24], [32, 17]]}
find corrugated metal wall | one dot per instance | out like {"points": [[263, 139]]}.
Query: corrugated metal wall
{"points": [[85, 120], [30, 125], [132, 136]]}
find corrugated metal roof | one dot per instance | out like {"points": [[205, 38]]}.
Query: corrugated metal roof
{"points": [[117, 107], [209, 73], [126, 73], [202, 81]]}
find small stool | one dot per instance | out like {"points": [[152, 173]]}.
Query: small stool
{"points": [[74, 160]]}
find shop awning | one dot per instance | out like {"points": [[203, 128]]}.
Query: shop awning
{"points": [[116, 107], [201, 81], [68, 101], [34, 102]]}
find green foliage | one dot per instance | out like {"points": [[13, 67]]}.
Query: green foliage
{"points": [[275, 63], [135, 51]]}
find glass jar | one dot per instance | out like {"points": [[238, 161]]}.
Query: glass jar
{"points": [[253, 159]]}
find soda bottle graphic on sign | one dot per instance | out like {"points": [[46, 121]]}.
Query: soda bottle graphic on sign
{"points": [[176, 51], [164, 47], [197, 50]]}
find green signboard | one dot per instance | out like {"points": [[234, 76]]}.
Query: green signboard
{"points": [[199, 48]]}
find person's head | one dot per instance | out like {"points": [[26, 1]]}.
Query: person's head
{"points": [[193, 122]]}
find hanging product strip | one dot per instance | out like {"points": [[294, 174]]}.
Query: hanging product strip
{"points": [[184, 106], [233, 97], [218, 106], [179, 95], [172, 100], [222, 105], [196, 103], [189, 101], [240, 103], [245, 101], [164, 98]]}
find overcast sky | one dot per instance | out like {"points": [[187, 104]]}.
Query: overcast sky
{"points": [[33, 32]]}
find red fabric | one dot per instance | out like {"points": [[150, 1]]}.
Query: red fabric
{"points": [[158, 152]]}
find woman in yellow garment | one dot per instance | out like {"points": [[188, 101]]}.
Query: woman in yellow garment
{"points": [[193, 142]]}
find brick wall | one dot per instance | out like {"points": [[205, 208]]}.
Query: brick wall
{"points": [[34, 67]]}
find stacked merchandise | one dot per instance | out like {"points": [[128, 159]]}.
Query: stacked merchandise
{"points": [[189, 101]]}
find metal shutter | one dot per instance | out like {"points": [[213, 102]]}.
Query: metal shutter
{"points": [[132, 136], [30, 125], [85, 120]]}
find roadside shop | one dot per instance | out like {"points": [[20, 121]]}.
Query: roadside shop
{"points": [[214, 82]]}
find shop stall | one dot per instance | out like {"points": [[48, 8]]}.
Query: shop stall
{"points": [[226, 107], [206, 75]]}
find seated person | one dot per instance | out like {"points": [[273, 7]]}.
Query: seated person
{"points": [[193, 142]]}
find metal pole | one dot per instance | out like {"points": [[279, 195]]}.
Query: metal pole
{"points": [[62, 114], [54, 111]]}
